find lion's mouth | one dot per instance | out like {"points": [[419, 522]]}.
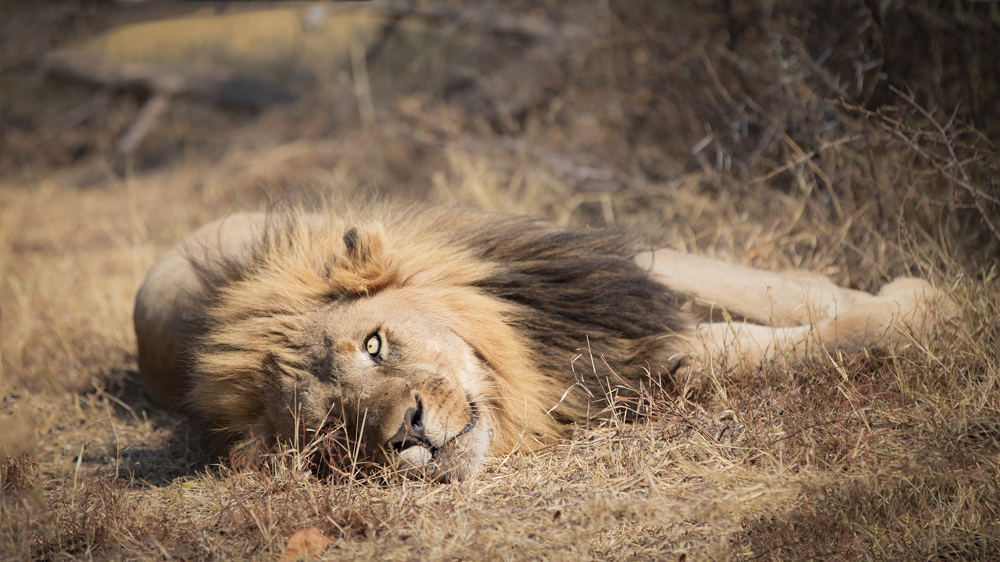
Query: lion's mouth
{"points": [[415, 436], [473, 418]]}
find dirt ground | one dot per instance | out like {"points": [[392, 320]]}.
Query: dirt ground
{"points": [[857, 139]]}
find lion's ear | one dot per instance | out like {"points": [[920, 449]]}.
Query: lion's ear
{"points": [[352, 240], [363, 247], [367, 267]]}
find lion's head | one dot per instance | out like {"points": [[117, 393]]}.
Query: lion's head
{"points": [[434, 338], [387, 366]]}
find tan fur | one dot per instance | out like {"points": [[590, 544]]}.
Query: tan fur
{"points": [[263, 326], [797, 314]]}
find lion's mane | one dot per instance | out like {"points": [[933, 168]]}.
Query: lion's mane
{"points": [[527, 296]]}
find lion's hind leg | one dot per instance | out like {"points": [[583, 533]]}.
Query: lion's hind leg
{"points": [[796, 314], [725, 290], [904, 312], [170, 305]]}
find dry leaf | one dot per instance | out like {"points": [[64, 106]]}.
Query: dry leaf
{"points": [[305, 544]]}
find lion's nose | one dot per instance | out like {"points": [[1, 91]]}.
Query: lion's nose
{"points": [[411, 432]]}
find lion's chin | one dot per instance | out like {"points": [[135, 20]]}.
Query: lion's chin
{"points": [[458, 459], [416, 456]]}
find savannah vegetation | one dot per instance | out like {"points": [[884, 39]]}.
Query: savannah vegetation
{"points": [[857, 139]]}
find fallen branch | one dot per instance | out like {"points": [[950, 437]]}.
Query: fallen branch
{"points": [[150, 112], [89, 67], [164, 82], [493, 20]]}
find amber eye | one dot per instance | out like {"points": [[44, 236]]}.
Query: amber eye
{"points": [[374, 345]]}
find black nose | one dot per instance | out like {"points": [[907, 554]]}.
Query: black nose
{"points": [[411, 432]]}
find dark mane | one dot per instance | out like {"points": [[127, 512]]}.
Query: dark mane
{"points": [[580, 291], [573, 292]]}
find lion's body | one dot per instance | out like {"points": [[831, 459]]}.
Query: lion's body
{"points": [[439, 336]]}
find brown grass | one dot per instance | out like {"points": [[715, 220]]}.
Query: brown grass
{"points": [[803, 161]]}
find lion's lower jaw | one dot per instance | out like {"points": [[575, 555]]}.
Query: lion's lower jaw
{"points": [[457, 460]]}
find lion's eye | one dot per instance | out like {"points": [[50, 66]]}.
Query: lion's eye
{"points": [[374, 345]]}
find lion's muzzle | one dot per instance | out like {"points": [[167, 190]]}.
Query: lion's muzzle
{"points": [[431, 446]]}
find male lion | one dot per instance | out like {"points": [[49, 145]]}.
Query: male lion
{"points": [[438, 336]]}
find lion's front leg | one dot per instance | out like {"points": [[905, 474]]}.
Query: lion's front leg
{"points": [[761, 297], [902, 313]]}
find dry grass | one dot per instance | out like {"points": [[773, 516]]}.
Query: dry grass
{"points": [[798, 164]]}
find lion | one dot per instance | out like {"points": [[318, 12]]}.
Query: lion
{"points": [[437, 337]]}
